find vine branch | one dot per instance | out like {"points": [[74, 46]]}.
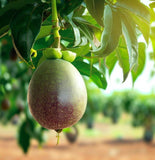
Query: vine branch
{"points": [[55, 25]]}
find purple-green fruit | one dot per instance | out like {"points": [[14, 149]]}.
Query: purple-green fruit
{"points": [[57, 95], [5, 104], [13, 55], [72, 135]]}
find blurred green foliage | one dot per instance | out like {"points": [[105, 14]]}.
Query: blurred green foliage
{"points": [[140, 107], [14, 80]]}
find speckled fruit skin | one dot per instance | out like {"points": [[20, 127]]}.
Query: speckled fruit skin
{"points": [[57, 95]]}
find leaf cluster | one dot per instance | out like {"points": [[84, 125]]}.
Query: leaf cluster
{"points": [[102, 36]]}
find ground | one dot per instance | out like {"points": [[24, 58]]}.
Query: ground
{"points": [[104, 142], [82, 150]]}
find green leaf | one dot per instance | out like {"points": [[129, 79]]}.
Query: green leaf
{"points": [[123, 58], [152, 5], [81, 50], [77, 35], [39, 135], [102, 66], [84, 41], [86, 20], [152, 15], [108, 20], [43, 43], [10, 9], [115, 34], [141, 61], [67, 6], [30, 128], [144, 27], [4, 30], [12, 112], [136, 7], [23, 137], [129, 33], [47, 21], [79, 11], [152, 36], [110, 61], [24, 33], [44, 31], [86, 28], [96, 9], [67, 35], [95, 75], [91, 20]]}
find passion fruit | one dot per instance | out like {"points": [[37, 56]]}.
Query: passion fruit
{"points": [[57, 95], [13, 55], [72, 135], [5, 104]]}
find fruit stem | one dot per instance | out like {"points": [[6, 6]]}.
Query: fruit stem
{"points": [[58, 135], [55, 25], [58, 138]]}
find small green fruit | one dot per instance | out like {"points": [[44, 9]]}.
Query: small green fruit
{"points": [[68, 56], [52, 53]]}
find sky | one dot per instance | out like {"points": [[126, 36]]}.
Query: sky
{"points": [[145, 1]]}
